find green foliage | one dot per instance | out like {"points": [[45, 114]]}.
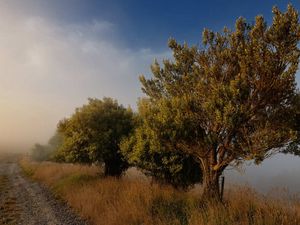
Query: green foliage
{"points": [[47, 152], [55, 141], [229, 100], [93, 133], [144, 150]]}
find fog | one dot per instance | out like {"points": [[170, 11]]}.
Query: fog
{"points": [[280, 172], [49, 67]]}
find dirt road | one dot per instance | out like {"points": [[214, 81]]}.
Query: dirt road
{"points": [[27, 203]]}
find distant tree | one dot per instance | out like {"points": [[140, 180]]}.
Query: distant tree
{"points": [[46, 152], [144, 150], [93, 134], [230, 100], [40, 152]]}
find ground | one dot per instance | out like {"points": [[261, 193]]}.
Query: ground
{"points": [[23, 201]]}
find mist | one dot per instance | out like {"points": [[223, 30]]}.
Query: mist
{"points": [[50, 67]]}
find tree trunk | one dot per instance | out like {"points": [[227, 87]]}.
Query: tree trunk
{"points": [[211, 189], [112, 168]]}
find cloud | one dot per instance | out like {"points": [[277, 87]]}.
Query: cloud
{"points": [[48, 68]]}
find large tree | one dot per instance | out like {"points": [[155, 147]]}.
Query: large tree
{"points": [[93, 134], [231, 99]]}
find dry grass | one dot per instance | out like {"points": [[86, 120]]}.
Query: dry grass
{"points": [[134, 201]]}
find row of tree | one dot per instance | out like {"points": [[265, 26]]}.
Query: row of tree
{"points": [[232, 99]]}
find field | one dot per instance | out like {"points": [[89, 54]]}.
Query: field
{"points": [[133, 200]]}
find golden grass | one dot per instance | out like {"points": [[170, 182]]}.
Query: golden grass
{"points": [[135, 201]]}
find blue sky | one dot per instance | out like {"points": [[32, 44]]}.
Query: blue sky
{"points": [[54, 54], [149, 24]]}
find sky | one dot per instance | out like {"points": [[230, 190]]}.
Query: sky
{"points": [[55, 54]]}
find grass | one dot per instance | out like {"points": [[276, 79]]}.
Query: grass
{"points": [[131, 201]]}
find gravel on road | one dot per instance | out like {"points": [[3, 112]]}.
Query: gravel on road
{"points": [[26, 202]]}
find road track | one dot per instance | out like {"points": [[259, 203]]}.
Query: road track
{"points": [[26, 202]]}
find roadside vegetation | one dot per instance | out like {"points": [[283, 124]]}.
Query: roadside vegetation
{"points": [[130, 200], [230, 100]]}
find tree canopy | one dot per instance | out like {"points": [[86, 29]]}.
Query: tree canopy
{"points": [[93, 133], [231, 99], [144, 150]]}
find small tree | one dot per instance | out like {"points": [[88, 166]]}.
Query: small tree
{"points": [[93, 133], [46, 152], [232, 99], [144, 150], [40, 152]]}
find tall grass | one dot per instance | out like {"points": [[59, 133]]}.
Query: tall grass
{"points": [[130, 201]]}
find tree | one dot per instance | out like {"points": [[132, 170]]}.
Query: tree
{"points": [[55, 141], [93, 133], [145, 151], [231, 99], [46, 152], [40, 152]]}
